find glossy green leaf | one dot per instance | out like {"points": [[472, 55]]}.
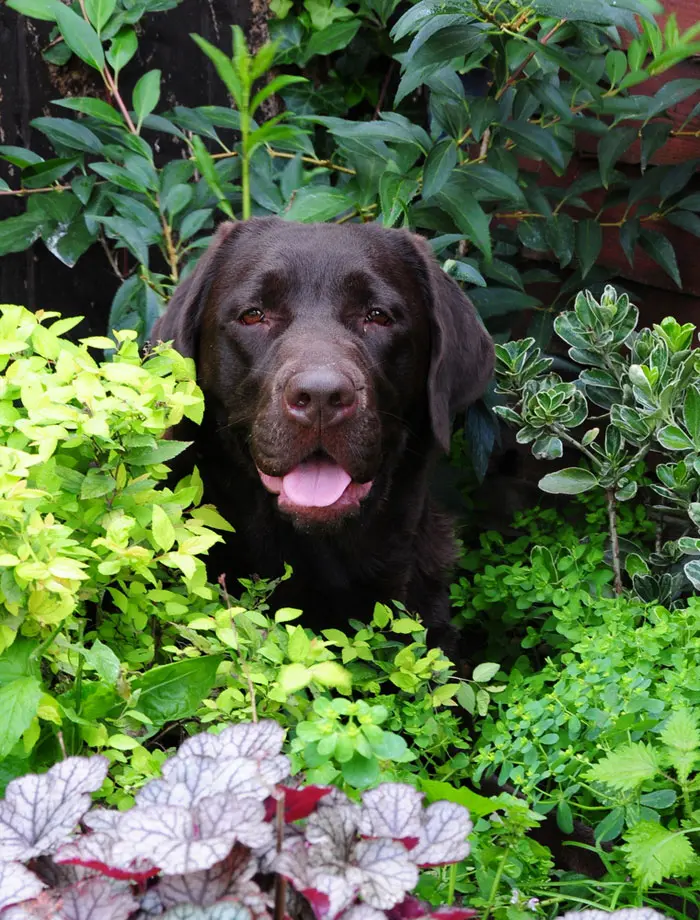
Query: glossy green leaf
{"points": [[317, 203], [123, 48], [99, 12], [611, 147], [589, 240], [68, 133], [80, 37], [440, 162], [175, 691], [146, 95], [533, 140], [36, 9], [661, 250]]}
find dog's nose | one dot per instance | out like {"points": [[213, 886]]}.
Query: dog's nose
{"points": [[320, 394]]}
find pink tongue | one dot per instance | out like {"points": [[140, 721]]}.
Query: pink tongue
{"points": [[315, 483]]}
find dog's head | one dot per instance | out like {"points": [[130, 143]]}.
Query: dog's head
{"points": [[330, 348]]}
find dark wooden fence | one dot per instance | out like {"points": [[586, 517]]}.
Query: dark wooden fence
{"points": [[27, 86]]}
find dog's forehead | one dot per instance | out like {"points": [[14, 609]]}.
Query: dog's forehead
{"points": [[330, 259]]}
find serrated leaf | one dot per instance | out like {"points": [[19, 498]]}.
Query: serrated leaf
{"points": [[174, 691], [40, 811], [654, 853], [19, 701], [627, 767]]}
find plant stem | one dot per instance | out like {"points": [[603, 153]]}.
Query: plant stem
{"points": [[614, 542], [496, 882]]}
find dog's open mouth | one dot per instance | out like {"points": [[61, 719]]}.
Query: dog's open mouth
{"points": [[316, 483]]}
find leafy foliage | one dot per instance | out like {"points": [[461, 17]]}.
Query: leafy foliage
{"points": [[203, 831], [439, 121]]}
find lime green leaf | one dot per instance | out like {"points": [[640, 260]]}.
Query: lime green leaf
{"points": [[163, 530], [19, 702], [331, 674], [627, 767], [655, 853]]}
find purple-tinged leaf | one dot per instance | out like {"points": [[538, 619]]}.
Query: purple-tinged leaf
{"points": [[454, 913], [413, 909], [40, 811], [325, 886], [392, 810], [96, 851], [17, 884], [96, 899], [385, 872], [443, 836], [223, 911], [210, 885]]}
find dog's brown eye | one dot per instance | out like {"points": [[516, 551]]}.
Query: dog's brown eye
{"points": [[378, 317], [251, 317]]}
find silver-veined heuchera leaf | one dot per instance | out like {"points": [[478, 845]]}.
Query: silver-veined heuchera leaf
{"points": [[384, 872], [392, 810], [333, 830], [40, 811], [443, 836], [413, 909], [627, 913], [17, 884], [257, 740], [226, 878], [181, 840], [96, 899], [224, 911], [96, 851], [363, 912]]}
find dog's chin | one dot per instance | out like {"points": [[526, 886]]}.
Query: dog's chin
{"points": [[317, 494]]}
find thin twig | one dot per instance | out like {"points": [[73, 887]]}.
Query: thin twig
{"points": [[614, 541], [383, 90], [242, 662], [23, 192], [523, 64], [280, 880]]}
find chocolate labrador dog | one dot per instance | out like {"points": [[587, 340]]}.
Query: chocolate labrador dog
{"points": [[332, 359]]}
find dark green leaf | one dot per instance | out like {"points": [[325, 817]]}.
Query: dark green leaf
{"points": [[128, 233], [629, 234], [498, 301], [589, 239], [468, 215], [80, 37], [19, 156], [535, 141], [193, 222], [334, 37], [438, 166], [654, 136], [611, 146], [175, 691], [658, 247], [672, 93], [95, 107], [43, 174], [687, 220], [68, 133], [18, 233]]}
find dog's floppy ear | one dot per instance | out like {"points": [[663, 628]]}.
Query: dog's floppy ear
{"points": [[181, 319], [462, 353]]}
